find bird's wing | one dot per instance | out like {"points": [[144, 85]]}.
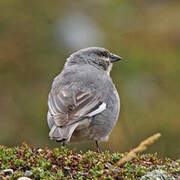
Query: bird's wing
{"points": [[67, 107]]}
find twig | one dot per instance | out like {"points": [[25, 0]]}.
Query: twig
{"points": [[142, 146]]}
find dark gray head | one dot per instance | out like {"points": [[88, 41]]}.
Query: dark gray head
{"points": [[99, 57]]}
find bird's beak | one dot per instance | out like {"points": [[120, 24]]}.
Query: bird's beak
{"points": [[114, 58]]}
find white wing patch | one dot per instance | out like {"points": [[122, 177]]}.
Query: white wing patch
{"points": [[101, 108]]}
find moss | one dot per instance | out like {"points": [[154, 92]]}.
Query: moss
{"points": [[62, 163]]}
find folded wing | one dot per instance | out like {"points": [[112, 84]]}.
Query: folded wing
{"points": [[68, 108]]}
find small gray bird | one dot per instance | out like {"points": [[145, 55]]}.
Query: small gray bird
{"points": [[83, 102]]}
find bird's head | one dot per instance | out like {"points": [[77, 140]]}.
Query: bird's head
{"points": [[99, 57]]}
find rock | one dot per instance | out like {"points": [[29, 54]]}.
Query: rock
{"points": [[157, 175], [24, 178], [7, 172], [28, 174]]}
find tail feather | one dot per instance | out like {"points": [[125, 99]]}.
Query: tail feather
{"points": [[62, 133]]}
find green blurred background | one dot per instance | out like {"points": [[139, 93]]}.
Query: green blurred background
{"points": [[37, 36]]}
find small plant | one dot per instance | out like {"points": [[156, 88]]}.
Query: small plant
{"points": [[62, 163]]}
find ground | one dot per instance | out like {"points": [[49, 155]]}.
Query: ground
{"points": [[62, 163]]}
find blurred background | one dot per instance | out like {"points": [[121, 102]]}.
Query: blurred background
{"points": [[37, 36]]}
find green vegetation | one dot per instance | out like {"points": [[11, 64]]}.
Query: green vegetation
{"points": [[62, 163], [33, 51]]}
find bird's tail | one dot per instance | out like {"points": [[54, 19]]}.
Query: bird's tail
{"points": [[62, 134]]}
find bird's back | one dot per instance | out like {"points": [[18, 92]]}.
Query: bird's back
{"points": [[88, 79]]}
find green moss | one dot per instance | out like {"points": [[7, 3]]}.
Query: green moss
{"points": [[62, 163]]}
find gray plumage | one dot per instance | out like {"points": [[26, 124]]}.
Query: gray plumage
{"points": [[83, 102]]}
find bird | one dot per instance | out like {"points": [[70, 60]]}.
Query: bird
{"points": [[83, 103]]}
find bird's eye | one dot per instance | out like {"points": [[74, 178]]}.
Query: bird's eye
{"points": [[104, 53]]}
